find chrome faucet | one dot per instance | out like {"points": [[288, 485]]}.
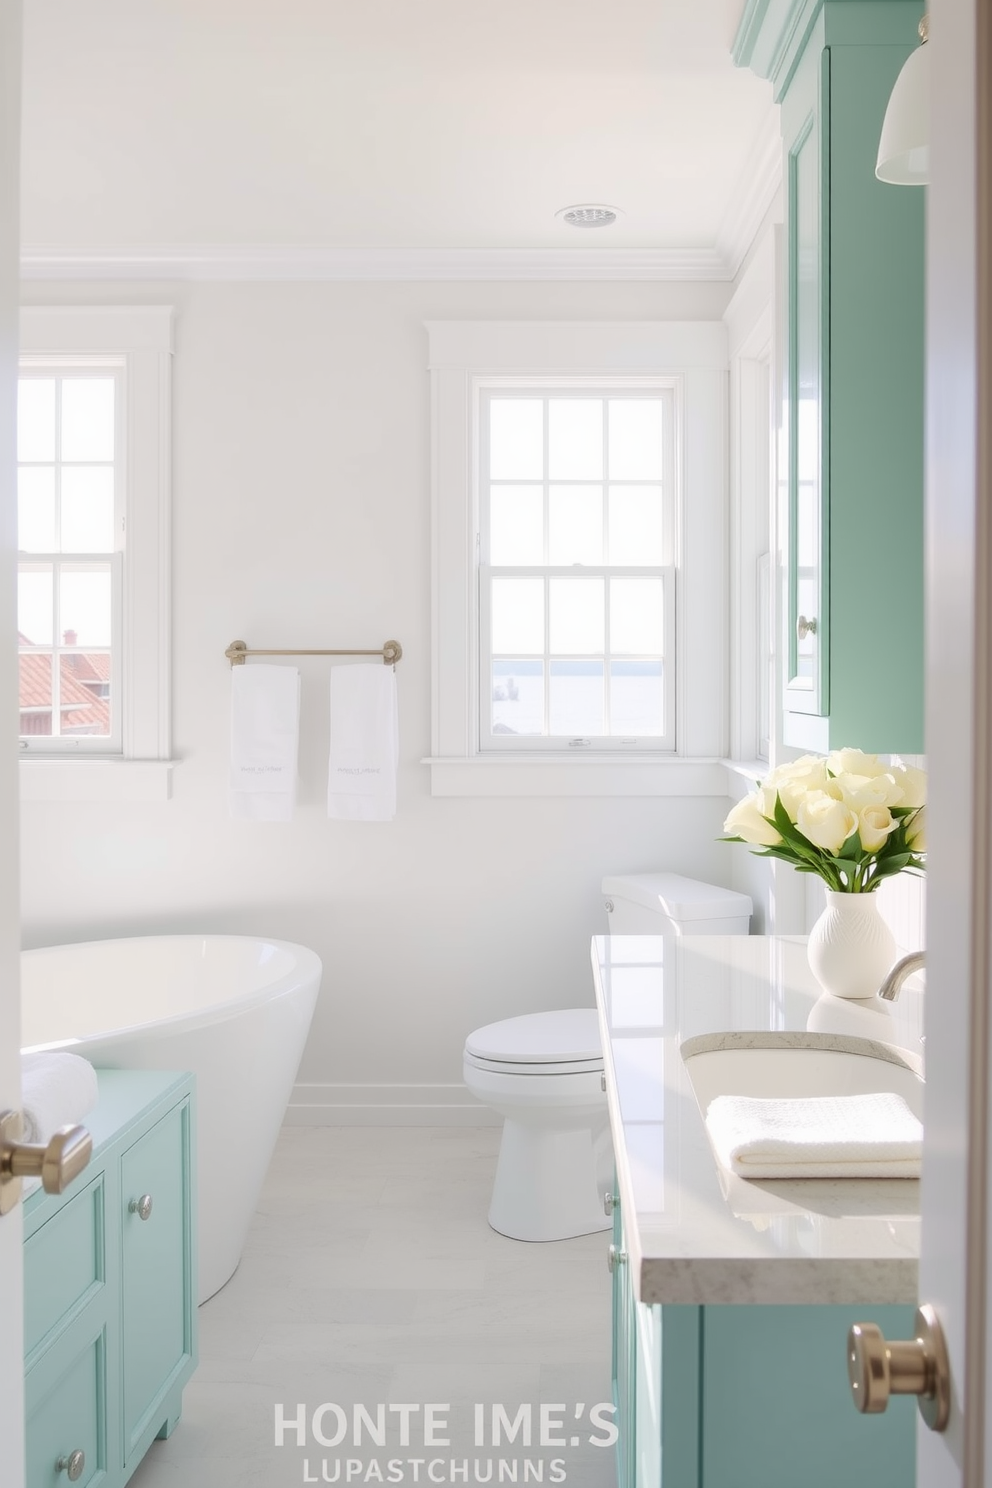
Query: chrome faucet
{"points": [[892, 986]]}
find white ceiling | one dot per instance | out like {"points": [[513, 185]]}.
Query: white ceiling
{"points": [[385, 124]]}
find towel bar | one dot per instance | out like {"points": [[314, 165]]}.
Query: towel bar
{"points": [[237, 651]]}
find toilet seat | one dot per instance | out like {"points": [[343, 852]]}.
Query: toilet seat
{"points": [[562, 1042], [525, 1070]]}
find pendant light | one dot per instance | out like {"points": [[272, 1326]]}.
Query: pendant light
{"points": [[904, 148]]}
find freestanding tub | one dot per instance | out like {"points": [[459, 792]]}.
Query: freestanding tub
{"points": [[234, 1010]]}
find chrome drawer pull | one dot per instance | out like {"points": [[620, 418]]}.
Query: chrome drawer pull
{"points": [[141, 1207], [72, 1465]]}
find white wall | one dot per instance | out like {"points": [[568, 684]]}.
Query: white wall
{"points": [[301, 483]]}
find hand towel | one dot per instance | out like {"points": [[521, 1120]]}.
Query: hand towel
{"points": [[265, 733], [847, 1136], [56, 1090], [361, 777]]}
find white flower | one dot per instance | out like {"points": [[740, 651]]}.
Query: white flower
{"points": [[855, 762], [795, 780], [912, 783], [747, 819], [825, 822], [916, 834], [874, 825], [861, 791]]}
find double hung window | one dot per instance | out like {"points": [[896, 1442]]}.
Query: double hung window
{"points": [[93, 450], [576, 579], [579, 557], [71, 537]]}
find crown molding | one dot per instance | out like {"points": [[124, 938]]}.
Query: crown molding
{"points": [[759, 185], [274, 262]]}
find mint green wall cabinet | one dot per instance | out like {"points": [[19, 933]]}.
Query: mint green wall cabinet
{"points": [[851, 394], [110, 1298]]}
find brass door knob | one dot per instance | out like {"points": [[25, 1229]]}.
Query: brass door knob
{"points": [[141, 1207], [919, 1366], [72, 1465], [57, 1163]]}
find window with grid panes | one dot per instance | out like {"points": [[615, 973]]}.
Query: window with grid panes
{"points": [[71, 553], [576, 570]]}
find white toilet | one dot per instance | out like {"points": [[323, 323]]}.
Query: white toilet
{"points": [[543, 1073], [668, 904]]}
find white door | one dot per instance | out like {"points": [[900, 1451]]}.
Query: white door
{"points": [[955, 1265], [11, 1287]]}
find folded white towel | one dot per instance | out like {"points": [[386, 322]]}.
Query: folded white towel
{"points": [[361, 777], [265, 733], [846, 1136], [56, 1090]]}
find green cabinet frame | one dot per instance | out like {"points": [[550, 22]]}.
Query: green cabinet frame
{"points": [[851, 385]]}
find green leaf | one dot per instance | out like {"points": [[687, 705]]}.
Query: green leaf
{"points": [[852, 847]]}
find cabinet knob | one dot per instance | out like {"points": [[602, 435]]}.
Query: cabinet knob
{"points": [[878, 1369], [615, 1257], [72, 1465], [56, 1163], [611, 1201], [805, 627], [141, 1207]]}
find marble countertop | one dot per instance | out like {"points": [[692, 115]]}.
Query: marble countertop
{"points": [[693, 1232]]}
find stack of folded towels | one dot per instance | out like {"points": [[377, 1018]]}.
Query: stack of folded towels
{"points": [[847, 1136]]}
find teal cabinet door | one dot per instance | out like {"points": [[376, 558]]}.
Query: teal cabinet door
{"points": [[851, 395], [156, 1281], [752, 1397], [777, 1407], [66, 1423]]}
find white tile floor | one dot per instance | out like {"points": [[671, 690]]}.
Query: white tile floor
{"points": [[371, 1277]]}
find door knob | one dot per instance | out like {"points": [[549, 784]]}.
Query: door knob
{"points": [[805, 627], [56, 1164], [919, 1366], [615, 1257], [72, 1465], [141, 1207]]}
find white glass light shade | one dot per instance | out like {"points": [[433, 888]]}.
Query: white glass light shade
{"points": [[904, 148]]}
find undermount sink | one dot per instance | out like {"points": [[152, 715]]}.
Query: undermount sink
{"points": [[792, 1066]]}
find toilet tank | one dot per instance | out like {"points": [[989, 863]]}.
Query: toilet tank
{"points": [[667, 903]]}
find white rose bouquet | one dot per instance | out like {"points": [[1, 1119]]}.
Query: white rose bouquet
{"points": [[849, 818]]}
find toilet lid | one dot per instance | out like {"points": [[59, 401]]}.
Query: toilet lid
{"points": [[562, 1037]]}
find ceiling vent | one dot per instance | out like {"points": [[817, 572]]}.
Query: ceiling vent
{"points": [[589, 214]]}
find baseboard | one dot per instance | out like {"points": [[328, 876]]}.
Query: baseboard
{"points": [[386, 1105]]}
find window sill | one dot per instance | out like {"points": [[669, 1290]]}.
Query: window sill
{"points": [[564, 775], [96, 780]]}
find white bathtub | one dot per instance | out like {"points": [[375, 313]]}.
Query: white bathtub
{"points": [[234, 1010]]}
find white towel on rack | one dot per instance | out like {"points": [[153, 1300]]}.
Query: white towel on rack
{"points": [[265, 735], [56, 1090], [361, 778], [843, 1136]]}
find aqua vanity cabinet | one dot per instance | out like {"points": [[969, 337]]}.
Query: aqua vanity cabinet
{"points": [[110, 1289], [850, 397], [748, 1396]]}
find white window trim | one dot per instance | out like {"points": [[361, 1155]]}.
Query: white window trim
{"points": [[142, 337], [695, 354]]}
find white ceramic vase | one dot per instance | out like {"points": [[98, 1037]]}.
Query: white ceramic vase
{"points": [[851, 947]]}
